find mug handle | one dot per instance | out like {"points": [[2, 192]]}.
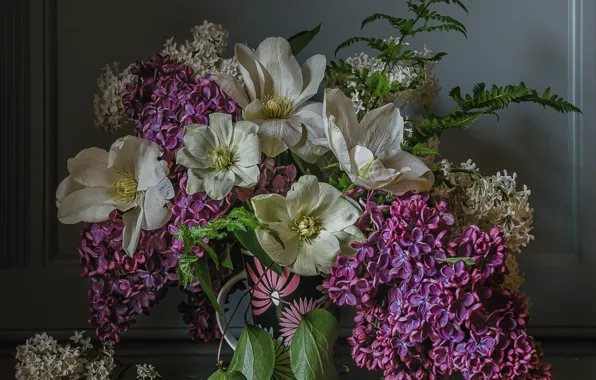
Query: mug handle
{"points": [[222, 296]]}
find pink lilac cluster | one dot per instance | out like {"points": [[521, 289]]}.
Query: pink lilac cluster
{"points": [[423, 316], [273, 179], [123, 286], [167, 96]]}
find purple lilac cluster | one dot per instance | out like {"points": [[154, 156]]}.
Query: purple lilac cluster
{"points": [[423, 316], [123, 286], [167, 96]]}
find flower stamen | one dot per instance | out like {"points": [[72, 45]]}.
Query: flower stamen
{"points": [[277, 107], [125, 190], [222, 158], [308, 228]]}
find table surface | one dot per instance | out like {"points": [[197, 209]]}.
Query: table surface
{"points": [[187, 360]]}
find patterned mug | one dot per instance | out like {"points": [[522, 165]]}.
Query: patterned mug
{"points": [[277, 301]]}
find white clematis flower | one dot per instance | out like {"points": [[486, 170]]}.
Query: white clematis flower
{"points": [[276, 94], [130, 178], [315, 221], [220, 155], [370, 151]]}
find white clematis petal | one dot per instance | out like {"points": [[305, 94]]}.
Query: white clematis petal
{"points": [[275, 54], [348, 236], [382, 129], [90, 168], [316, 257], [327, 197], [338, 105], [313, 72], [157, 207], [284, 256], [303, 197], [140, 158], [251, 71], [246, 176], [198, 140], [195, 181], [133, 220], [219, 184], [232, 87], [67, 187], [91, 204], [221, 125], [270, 208], [249, 152], [342, 215], [276, 135]]}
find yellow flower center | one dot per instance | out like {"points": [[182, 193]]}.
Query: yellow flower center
{"points": [[277, 107], [222, 158], [125, 190], [308, 228]]}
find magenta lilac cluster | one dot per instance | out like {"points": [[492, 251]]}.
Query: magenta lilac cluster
{"points": [[423, 316], [167, 96], [123, 286]]}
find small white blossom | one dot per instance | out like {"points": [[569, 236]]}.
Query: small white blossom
{"points": [[109, 109], [146, 372], [490, 201]]}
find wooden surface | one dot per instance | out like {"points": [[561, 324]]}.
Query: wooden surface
{"points": [[186, 360]]}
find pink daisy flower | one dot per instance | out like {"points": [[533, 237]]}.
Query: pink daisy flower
{"points": [[271, 288], [292, 315]]}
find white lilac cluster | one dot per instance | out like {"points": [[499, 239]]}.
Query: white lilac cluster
{"points": [[43, 358], [490, 200], [109, 109], [202, 52], [404, 73], [146, 372]]}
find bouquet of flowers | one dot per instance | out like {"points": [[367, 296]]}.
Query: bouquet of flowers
{"points": [[233, 155]]}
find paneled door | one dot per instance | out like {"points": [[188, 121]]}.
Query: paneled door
{"points": [[53, 53]]}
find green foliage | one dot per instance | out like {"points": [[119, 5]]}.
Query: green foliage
{"points": [[483, 101], [307, 168], [227, 375], [392, 53], [423, 149], [300, 40], [191, 268], [249, 241], [255, 355], [311, 350], [342, 183], [453, 260]]}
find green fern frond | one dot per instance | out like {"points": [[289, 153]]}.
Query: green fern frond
{"points": [[459, 3], [350, 42], [554, 102], [380, 16]]}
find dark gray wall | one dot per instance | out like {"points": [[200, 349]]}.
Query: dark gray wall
{"points": [[542, 42]]}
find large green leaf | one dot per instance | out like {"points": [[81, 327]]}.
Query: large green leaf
{"points": [[202, 269], [283, 367], [255, 354], [311, 350], [249, 241], [300, 40], [227, 375]]}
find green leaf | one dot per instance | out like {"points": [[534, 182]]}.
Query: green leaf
{"points": [[226, 261], [311, 350], [307, 168], [283, 367], [250, 242], [422, 149], [226, 375], [255, 354], [210, 251], [300, 40], [453, 260], [202, 270]]}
